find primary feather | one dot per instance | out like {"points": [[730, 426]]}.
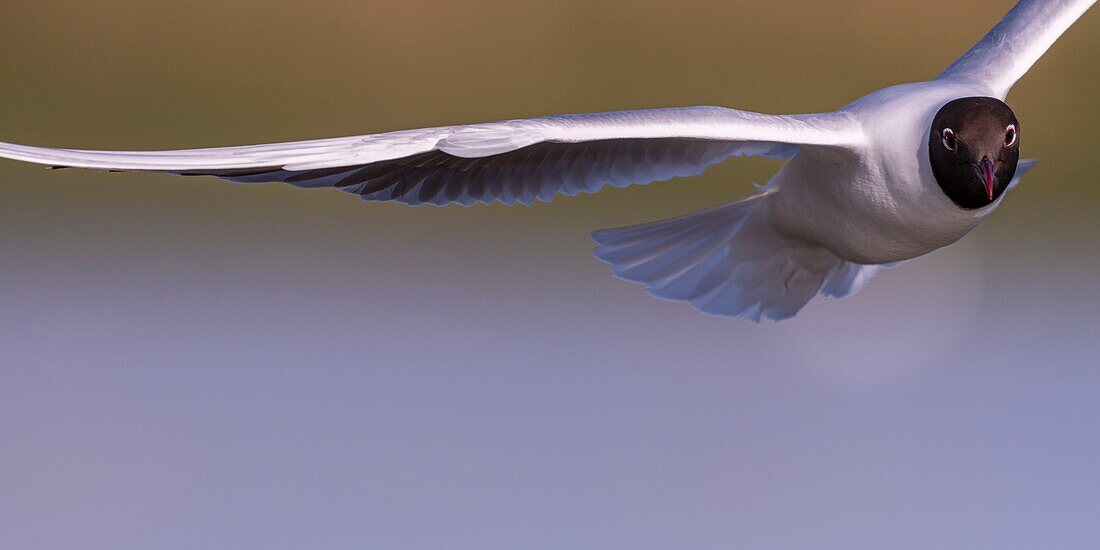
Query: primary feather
{"points": [[509, 161]]}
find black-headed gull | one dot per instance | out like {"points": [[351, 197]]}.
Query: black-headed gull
{"points": [[894, 175]]}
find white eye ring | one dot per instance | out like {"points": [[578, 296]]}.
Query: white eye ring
{"points": [[948, 139], [1011, 135]]}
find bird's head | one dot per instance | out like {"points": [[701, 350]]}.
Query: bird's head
{"points": [[974, 147]]}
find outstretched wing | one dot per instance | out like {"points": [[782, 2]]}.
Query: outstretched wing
{"points": [[509, 161], [1009, 50]]}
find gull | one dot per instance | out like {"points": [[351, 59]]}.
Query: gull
{"points": [[891, 176]]}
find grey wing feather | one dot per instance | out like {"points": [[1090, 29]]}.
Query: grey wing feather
{"points": [[536, 172]]}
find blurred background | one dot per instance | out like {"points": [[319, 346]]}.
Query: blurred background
{"points": [[187, 363]]}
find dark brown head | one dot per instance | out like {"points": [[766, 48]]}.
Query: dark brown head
{"points": [[974, 147]]}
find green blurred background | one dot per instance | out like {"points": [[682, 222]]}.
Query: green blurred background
{"points": [[190, 363]]}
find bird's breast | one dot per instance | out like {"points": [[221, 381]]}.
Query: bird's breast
{"points": [[868, 210]]}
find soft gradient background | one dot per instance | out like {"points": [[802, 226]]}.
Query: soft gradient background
{"points": [[186, 363]]}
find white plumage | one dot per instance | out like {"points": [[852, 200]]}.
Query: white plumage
{"points": [[857, 194]]}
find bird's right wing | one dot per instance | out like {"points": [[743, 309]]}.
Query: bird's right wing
{"points": [[1009, 50], [510, 161]]}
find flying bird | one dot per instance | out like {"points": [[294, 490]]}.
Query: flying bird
{"points": [[891, 176]]}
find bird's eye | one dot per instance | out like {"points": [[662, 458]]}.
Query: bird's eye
{"points": [[948, 139], [1011, 135]]}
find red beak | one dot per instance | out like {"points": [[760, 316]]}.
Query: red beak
{"points": [[986, 168]]}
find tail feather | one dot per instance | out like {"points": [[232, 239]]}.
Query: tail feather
{"points": [[848, 278], [728, 261]]}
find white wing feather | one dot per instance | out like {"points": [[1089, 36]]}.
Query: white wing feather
{"points": [[508, 161], [1009, 50]]}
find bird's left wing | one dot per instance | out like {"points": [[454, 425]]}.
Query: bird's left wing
{"points": [[1006, 53], [508, 161]]}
